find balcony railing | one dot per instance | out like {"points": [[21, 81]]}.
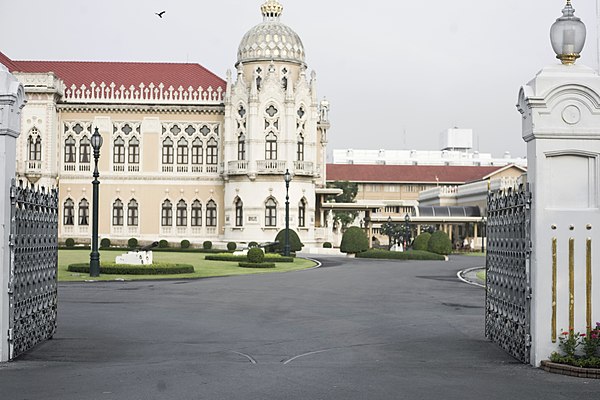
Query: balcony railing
{"points": [[237, 167], [270, 166], [304, 168]]}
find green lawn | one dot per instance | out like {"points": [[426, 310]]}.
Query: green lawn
{"points": [[202, 267]]}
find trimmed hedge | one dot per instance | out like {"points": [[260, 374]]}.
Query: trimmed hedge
{"points": [[354, 240], [439, 243], [163, 244], [231, 246], [185, 244], [295, 243], [126, 269], [327, 245], [422, 241], [70, 242], [132, 243], [231, 257], [207, 245], [256, 265], [400, 255], [104, 243], [256, 255]]}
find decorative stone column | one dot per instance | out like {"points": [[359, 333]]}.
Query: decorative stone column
{"points": [[12, 100], [561, 125]]}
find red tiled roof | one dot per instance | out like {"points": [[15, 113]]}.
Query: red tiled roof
{"points": [[407, 173], [121, 73]]}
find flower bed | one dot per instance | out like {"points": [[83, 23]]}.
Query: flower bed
{"points": [[578, 354]]}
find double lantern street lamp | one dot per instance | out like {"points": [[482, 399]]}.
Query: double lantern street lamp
{"points": [[96, 142], [567, 36], [287, 177]]}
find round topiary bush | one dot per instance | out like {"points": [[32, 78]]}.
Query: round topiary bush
{"points": [[132, 243], [185, 244], [207, 245], [354, 240], [422, 241], [231, 246], [163, 244], [252, 244], [70, 242], [105, 243], [439, 243], [327, 245], [295, 243], [256, 255]]}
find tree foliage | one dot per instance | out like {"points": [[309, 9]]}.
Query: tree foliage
{"points": [[354, 240], [350, 189], [440, 243]]}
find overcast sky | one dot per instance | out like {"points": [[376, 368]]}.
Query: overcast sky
{"points": [[396, 73]]}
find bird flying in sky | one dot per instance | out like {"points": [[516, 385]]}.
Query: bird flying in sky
{"points": [[160, 14]]}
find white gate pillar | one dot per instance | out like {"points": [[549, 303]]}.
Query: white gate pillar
{"points": [[561, 125], [12, 100]]}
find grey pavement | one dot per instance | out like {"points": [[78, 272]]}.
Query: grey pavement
{"points": [[353, 329]]}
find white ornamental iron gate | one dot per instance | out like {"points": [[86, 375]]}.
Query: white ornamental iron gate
{"points": [[33, 267], [508, 284]]}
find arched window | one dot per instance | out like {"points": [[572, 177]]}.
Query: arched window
{"points": [[197, 151], [132, 213], [167, 214], [70, 150], [119, 151], [133, 151], [181, 213], [167, 151], [84, 212], [271, 147], [35, 146], [302, 213], [241, 147], [182, 152], [84, 150], [270, 212], [239, 212], [118, 213], [69, 212], [212, 152], [196, 213], [211, 213], [300, 148]]}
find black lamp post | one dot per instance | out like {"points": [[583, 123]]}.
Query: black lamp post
{"points": [[407, 229], [96, 142], [390, 232], [287, 177]]}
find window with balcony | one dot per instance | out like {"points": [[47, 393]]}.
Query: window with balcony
{"points": [[167, 151], [212, 152], [85, 150], [211, 213], [133, 151], [69, 212], [181, 213], [196, 213], [117, 213], [119, 151], [84, 212], [271, 147], [270, 212], [70, 150], [300, 148], [182, 152], [132, 213], [34, 144], [241, 147], [167, 214], [197, 152]]}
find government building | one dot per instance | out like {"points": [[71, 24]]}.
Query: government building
{"points": [[185, 154]]}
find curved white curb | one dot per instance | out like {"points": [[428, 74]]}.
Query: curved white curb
{"points": [[461, 275]]}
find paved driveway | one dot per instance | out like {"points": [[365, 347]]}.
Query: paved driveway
{"points": [[354, 329]]}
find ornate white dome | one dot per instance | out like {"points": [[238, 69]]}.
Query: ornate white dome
{"points": [[271, 40]]}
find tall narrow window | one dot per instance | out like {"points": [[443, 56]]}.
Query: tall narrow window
{"points": [[70, 150], [300, 148], [133, 151], [132, 213], [35, 148], [197, 151], [271, 147], [167, 151], [211, 213], [302, 213], [84, 150], [196, 213], [181, 213], [212, 152], [167, 214], [118, 213], [84, 212], [270, 212], [182, 152], [242, 147], [69, 212], [239, 212], [119, 151]]}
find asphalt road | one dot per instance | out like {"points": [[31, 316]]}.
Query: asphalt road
{"points": [[354, 329]]}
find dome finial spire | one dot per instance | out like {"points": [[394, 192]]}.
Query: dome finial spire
{"points": [[271, 9]]}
